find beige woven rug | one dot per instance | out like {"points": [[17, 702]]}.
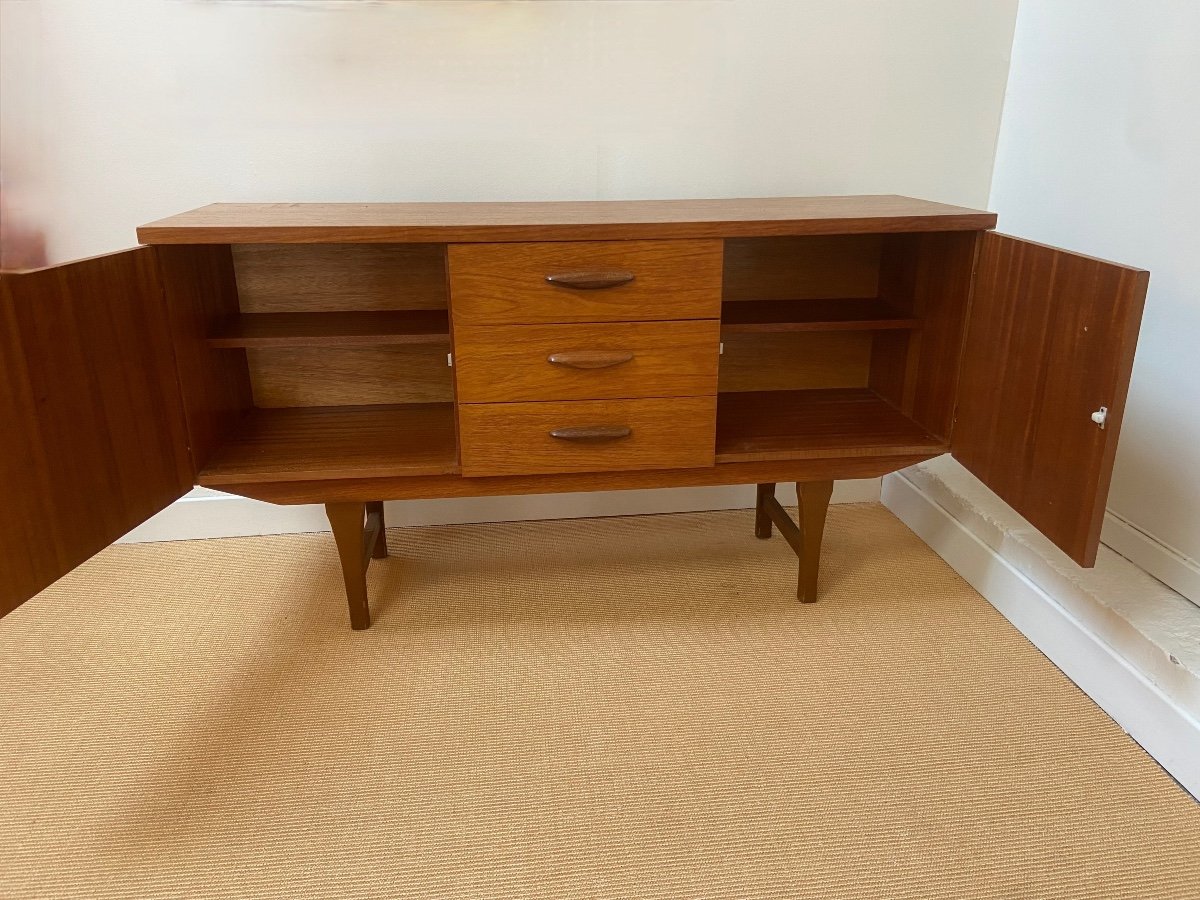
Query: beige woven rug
{"points": [[628, 707]]}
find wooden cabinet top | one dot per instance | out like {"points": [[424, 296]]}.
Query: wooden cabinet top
{"points": [[252, 223]]}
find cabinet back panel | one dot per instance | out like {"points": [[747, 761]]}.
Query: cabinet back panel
{"points": [[802, 268], [274, 278], [795, 361], [329, 376]]}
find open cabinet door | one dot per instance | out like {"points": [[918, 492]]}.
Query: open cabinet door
{"points": [[92, 437], [1050, 343]]}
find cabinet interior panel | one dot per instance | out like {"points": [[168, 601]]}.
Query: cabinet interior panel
{"points": [[795, 361], [200, 291], [768, 425], [278, 278], [336, 442], [929, 275], [332, 376], [802, 268], [893, 364]]}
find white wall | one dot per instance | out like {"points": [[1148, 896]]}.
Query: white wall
{"points": [[153, 107], [144, 108], [1099, 152]]}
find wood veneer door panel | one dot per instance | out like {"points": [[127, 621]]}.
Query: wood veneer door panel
{"points": [[93, 440], [1050, 340], [507, 284]]}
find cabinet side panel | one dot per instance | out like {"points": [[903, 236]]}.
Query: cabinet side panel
{"points": [[201, 292], [928, 275], [93, 441]]}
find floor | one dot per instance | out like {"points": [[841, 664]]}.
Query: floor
{"points": [[1142, 619], [625, 707]]}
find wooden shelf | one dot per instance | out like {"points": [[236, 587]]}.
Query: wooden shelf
{"points": [[772, 425], [307, 443], [812, 315], [334, 329]]}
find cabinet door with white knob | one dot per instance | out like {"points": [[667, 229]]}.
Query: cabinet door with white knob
{"points": [[92, 433], [1045, 372]]}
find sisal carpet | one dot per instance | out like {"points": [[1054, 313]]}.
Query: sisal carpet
{"points": [[628, 707]]}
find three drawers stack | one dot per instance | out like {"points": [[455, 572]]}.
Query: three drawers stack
{"points": [[585, 356]]}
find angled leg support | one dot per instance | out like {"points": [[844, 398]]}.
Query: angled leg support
{"points": [[359, 535], [762, 518], [379, 549], [803, 537]]}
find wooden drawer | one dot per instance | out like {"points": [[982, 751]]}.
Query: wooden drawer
{"points": [[518, 439], [507, 284], [497, 363]]}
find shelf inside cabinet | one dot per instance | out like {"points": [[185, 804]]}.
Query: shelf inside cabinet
{"points": [[334, 329], [766, 425], [864, 314], [308, 443]]}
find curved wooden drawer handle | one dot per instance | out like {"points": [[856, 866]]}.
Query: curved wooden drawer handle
{"points": [[591, 280], [592, 434], [589, 359]]}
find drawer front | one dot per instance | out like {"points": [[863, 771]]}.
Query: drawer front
{"points": [[592, 435], [585, 281], [498, 363]]}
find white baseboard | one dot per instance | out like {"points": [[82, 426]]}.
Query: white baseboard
{"points": [[1144, 550], [210, 514], [982, 550]]}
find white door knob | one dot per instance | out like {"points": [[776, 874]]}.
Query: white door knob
{"points": [[1100, 416]]}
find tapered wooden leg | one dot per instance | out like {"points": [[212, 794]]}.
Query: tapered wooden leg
{"points": [[348, 521], [762, 519], [814, 505], [379, 551]]}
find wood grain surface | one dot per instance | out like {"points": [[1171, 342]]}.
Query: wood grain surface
{"points": [[795, 361], [496, 363], [505, 284], [930, 276], [800, 424], [339, 376], [425, 487], [331, 278], [1050, 341], [334, 329], [93, 440], [515, 438], [802, 268], [336, 442], [315, 223], [199, 289], [863, 314]]}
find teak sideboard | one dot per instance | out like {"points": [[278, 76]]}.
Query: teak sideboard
{"points": [[348, 354]]}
